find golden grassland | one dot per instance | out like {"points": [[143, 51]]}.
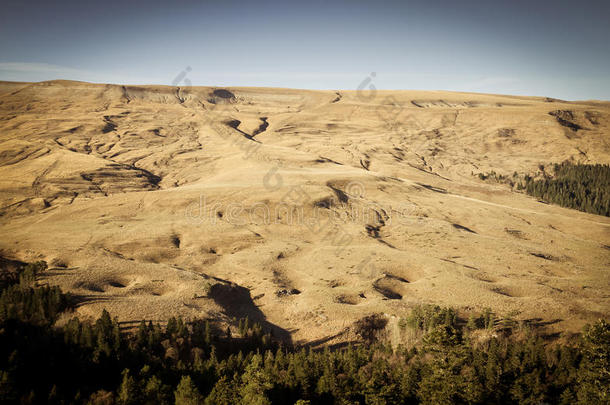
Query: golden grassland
{"points": [[303, 210]]}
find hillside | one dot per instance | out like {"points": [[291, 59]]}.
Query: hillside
{"points": [[303, 210]]}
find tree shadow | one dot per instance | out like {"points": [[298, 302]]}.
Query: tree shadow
{"points": [[237, 303]]}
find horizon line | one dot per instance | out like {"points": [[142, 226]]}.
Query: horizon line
{"points": [[554, 99]]}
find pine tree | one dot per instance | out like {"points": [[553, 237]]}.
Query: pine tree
{"points": [[207, 333], [155, 392], [187, 393], [223, 393], [128, 390], [7, 387], [594, 373], [142, 335], [255, 383], [100, 397], [472, 323], [172, 327]]}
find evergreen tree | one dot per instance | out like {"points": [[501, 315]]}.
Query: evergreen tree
{"points": [[223, 393], [255, 383], [594, 373], [155, 392], [78, 362], [187, 393], [128, 390]]}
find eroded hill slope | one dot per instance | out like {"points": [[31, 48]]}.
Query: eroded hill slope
{"points": [[304, 209]]}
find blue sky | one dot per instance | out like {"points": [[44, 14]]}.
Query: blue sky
{"points": [[546, 48]]}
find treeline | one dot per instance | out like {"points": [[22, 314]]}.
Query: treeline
{"points": [[19, 301], [480, 361], [579, 186]]}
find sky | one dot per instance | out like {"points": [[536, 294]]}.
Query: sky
{"points": [[555, 48]]}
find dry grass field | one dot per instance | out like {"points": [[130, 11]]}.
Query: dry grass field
{"points": [[304, 210]]}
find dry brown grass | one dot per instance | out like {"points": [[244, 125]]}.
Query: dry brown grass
{"points": [[105, 182]]}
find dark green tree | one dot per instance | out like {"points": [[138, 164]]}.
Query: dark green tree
{"points": [[187, 393]]}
